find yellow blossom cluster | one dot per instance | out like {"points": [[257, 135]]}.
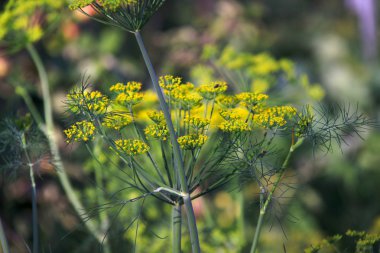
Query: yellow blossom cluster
{"points": [[80, 131], [156, 116], [226, 101], [234, 125], [130, 86], [117, 121], [127, 94], [251, 100], [274, 116], [192, 141], [157, 131], [196, 122], [94, 102], [186, 99], [169, 82], [209, 91], [233, 121], [132, 147]]}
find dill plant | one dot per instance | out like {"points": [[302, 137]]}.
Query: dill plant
{"points": [[22, 146], [22, 24], [236, 130]]}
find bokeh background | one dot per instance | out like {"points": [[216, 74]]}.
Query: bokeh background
{"points": [[335, 42]]}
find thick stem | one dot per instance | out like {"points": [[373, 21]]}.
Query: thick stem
{"points": [[176, 228], [265, 205], [176, 149], [3, 240], [48, 130]]}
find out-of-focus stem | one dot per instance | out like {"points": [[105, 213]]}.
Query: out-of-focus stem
{"points": [[48, 130], [179, 166], [265, 204], [176, 228], [3, 240], [34, 198]]}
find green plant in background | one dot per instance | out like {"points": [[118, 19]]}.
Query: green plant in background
{"points": [[22, 24], [22, 146], [356, 241], [259, 72]]}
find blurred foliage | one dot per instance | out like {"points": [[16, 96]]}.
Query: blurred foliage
{"points": [[335, 192]]}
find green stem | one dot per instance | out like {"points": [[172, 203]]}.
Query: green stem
{"points": [[176, 228], [3, 240], [34, 198], [264, 206], [176, 149], [103, 217], [48, 130]]}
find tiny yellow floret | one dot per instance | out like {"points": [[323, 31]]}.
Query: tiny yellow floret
{"points": [[132, 147], [192, 141], [80, 131]]}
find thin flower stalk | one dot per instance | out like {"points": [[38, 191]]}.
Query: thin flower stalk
{"points": [[34, 197], [264, 203], [47, 128]]}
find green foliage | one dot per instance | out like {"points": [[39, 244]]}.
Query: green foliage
{"points": [[363, 243], [23, 22]]}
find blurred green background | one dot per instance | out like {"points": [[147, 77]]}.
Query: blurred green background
{"points": [[332, 192]]}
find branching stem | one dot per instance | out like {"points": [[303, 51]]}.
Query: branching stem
{"points": [[48, 131], [264, 204]]}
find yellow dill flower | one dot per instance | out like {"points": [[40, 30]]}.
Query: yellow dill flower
{"points": [[169, 82], [234, 113], [93, 101], [156, 116], [117, 120], [211, 90], [192, 141], [129, 98], [157, 131], [83, 130], [234, 125], [288, 67], [186, 100], [263, 64], [130, 86], [274, 116], [260, 85], [266, 119], [118, 87], [196, 122], [252, 100], [132, 147], [226, 101]]}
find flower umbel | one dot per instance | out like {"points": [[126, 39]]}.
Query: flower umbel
{"points": [[132, 147], [130, 15], [192, 141], [80, 131]]}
